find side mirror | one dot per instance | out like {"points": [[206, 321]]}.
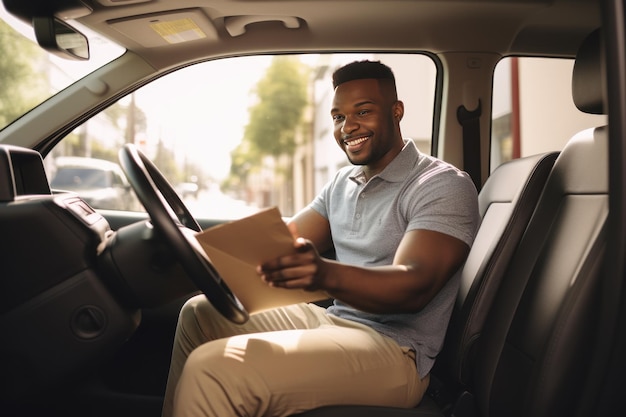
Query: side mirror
{"points": [[60, 38]]}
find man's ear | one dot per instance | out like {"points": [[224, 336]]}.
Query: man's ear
{"points": [[398, 110]]}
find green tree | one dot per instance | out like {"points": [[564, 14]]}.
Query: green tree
{"points": [[241, 162], [22, 83], [282, 95], [274, 119]]}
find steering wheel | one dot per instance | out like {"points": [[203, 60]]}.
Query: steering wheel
{"points": [[171, 218]]}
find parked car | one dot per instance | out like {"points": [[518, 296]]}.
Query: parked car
{"points": [[102, 184], [528, 97], [188, 189]]}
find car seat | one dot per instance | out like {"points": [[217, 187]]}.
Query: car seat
{"points": [[532, 354], [506, 203]]}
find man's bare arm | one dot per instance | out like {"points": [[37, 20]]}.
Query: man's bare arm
{"points": [[311, 225], [424, 262]]}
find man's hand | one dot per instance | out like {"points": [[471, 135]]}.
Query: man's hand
{"points": [[299, 270], [422, 265]]}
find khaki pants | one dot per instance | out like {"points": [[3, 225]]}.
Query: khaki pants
{"points": [[282, 362]]}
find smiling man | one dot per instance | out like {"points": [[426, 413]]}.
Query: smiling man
{"points": [[401, 224], [366, 115]]}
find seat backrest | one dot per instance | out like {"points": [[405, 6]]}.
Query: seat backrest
{"points": [[532, 355], [506, 203]]}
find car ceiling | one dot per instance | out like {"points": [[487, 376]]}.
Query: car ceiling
{"points": [[237, 27]]}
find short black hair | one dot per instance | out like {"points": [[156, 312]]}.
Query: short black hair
{"points": [[359, 70]]}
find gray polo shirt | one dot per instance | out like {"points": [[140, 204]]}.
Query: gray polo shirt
{"points": [[369, 218]]}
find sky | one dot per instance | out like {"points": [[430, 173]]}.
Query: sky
{"points": [[202, 110]]}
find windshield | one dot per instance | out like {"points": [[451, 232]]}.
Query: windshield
{"points": [[30, 75]]}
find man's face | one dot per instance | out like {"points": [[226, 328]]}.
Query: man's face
{"points": [[365, 118]]}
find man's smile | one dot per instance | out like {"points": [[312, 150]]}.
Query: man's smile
{"points": [[354, 144]]}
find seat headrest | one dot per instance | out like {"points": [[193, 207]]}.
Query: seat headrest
{"points": [[588, 78]]}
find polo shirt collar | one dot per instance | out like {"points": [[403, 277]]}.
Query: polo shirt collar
{"points": [[397, 170]]}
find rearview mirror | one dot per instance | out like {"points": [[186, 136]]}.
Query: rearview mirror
{"points": [[60, 38]]}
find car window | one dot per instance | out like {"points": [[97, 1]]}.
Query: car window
{"points": [[240, 134], [533, 109], [31, 75]]}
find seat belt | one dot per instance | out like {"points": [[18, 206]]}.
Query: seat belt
{"points": [[470, 122]]}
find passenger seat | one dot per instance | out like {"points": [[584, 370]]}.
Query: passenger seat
{"points": [[506, 203], [533, 354]]}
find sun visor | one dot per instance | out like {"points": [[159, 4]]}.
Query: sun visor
{"points": [[164, 29]]}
